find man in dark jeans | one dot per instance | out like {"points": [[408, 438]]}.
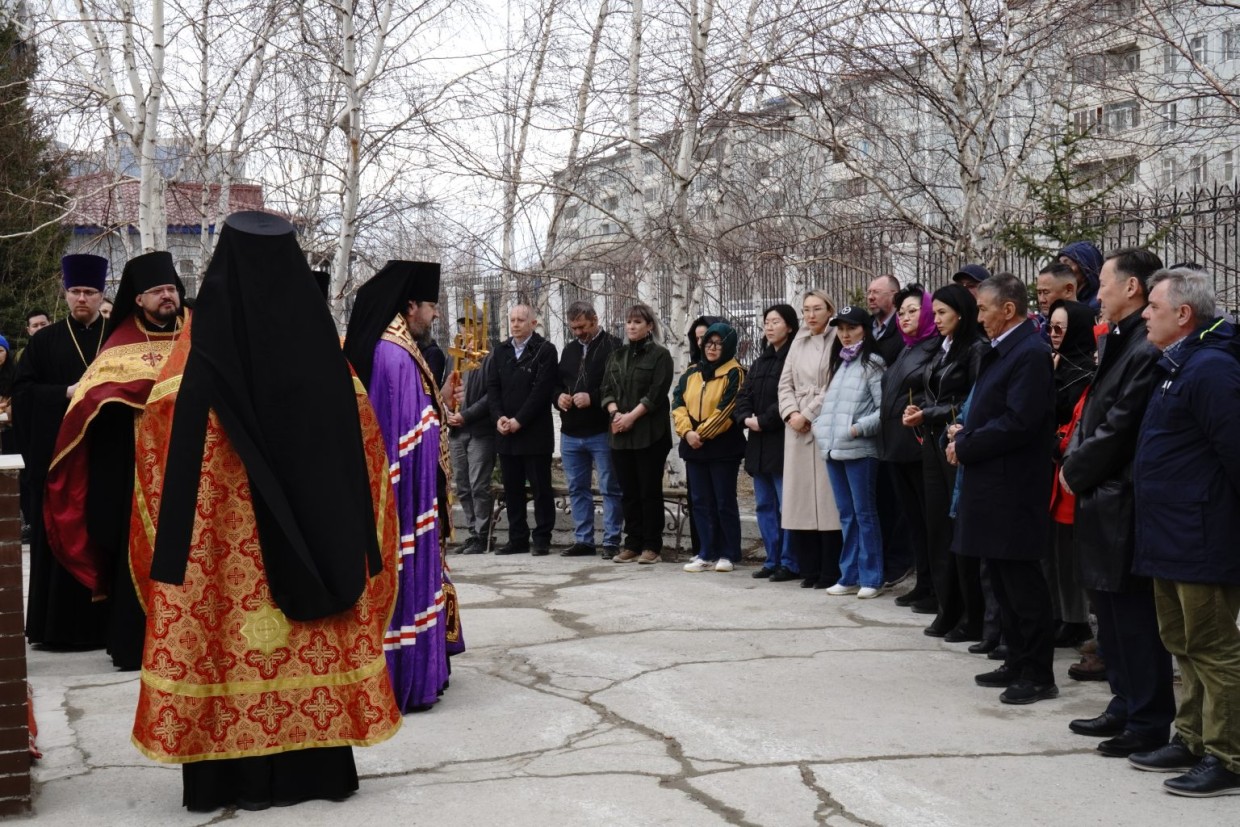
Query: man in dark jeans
{"points": [[520, 383], [584, 432]]}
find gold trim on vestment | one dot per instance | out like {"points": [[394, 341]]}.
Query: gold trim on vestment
{"points": [[170, 385], [165, 758], [211, 690]]}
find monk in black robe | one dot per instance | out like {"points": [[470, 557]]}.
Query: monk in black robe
{"points": [[60, 611]]}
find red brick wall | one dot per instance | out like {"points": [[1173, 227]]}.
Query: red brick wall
{"points": [[14, 736]]}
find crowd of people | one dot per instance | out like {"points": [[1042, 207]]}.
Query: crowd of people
{"points": [[1028, 467], [1025, 469]]}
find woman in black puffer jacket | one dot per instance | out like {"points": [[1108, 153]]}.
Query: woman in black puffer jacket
{"points": [[757, 409]]}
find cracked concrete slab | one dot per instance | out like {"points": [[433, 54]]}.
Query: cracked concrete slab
{"points": [[601, 693]]}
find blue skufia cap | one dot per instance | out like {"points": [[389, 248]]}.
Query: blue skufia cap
{"points": [[4, 343], [84, 270]]}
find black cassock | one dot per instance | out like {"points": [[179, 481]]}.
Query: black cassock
{"points": [[59, 609]]}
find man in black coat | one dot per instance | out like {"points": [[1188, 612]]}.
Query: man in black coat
{"points": [[880, 299], [1005, 452], [520, 383], [1098, 470]]}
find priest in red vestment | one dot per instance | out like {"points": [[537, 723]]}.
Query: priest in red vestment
{"points": [[90, 481]]}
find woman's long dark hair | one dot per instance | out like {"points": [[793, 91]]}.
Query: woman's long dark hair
{"points": [[967, 330]]}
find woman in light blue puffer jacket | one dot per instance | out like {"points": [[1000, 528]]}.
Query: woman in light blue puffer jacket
{"points": [[846, 430]]}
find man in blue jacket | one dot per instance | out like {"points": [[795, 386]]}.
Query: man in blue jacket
{"points": [[1186, 477], [1005, 450]]}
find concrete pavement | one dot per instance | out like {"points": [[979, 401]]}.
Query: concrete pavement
{"points": [[595, 693]]}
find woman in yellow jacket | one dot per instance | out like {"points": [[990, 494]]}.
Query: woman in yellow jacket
{"points": [[712, 446]]}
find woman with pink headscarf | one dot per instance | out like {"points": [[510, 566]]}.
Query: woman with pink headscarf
{"points": [[898, 446]]}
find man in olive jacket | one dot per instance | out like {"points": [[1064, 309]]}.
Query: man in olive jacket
{"points": [[1098, 469], [520, 383]]}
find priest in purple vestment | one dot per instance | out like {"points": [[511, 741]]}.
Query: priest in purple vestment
{"points": [[391, 311]]}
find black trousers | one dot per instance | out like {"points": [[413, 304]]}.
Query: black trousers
{"points": [[515, 471], [640, 474], [818, 555], [909, 487], [1025, 614], [1138, 666], [957, 580]]}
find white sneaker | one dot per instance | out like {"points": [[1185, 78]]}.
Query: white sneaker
{"points": [[839, 589], [698, 564], [866, 592], [723, 564]]}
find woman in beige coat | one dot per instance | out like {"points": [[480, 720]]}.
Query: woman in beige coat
{"points": [[809, 506]]}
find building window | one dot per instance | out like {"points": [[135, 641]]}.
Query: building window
{"points": [[1170, 115], [1199, 169], [1121, 117], [1170, 171], [1229, 166], [648, 166], [1171, 57], [612, 202], [606, 228], [1085, 121], [1197, 48], [1231, 43], [1123, 61]]}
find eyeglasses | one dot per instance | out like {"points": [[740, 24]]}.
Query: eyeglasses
{"points": [[164, 290], [82, 292], [713, 345], [1058, 328]]}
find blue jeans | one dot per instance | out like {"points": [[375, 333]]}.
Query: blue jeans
{"points": [[768, 497], [713, 499], [581, 455], [855, 483]]}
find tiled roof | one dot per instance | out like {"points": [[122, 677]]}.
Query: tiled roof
{"points": [[100, 200]]}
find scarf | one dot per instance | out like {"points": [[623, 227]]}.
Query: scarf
{"points": [[847, 354]]}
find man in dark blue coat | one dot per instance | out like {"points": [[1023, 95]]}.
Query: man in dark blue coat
{"points": [[1186, 477], [520, 383], [1004, 499]]}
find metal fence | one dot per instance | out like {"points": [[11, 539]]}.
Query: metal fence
{"points": [[1201, 227]]}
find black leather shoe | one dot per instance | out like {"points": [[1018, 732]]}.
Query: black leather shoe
{"points": [[1128, 743], [928, 605], [783, 575], [1206, 780], [936, 629], [1172, 757], [910, 597], [960, 635], [1000, 652], [476, 545], [1027, 692], [762, 573], [984, 647], [809, 582], [539, 551], [507, 548], [577, 550], [610, 552], [1105, 725], [1002, 677]]}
